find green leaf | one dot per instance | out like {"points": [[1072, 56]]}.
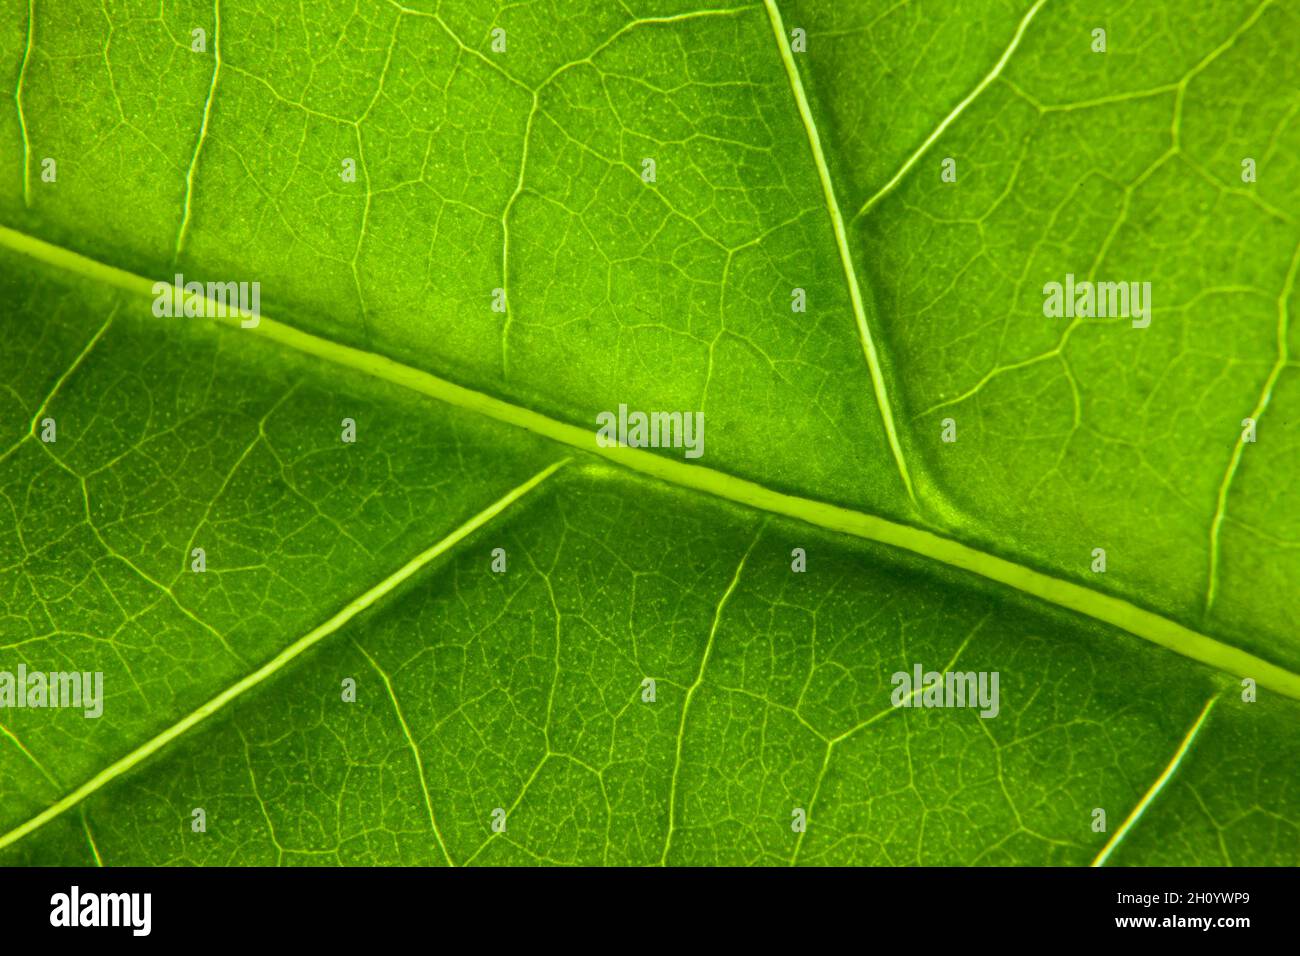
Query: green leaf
{"points": [[501, 588]]}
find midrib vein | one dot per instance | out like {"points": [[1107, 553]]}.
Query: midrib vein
{"points": [[18, 102], [277, 663], [842, 243], [1066, 594]]}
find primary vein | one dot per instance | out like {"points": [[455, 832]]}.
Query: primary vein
{"points": [[1066, 594]]}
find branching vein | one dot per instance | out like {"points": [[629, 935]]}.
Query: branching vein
{"points": [[277, 663]]}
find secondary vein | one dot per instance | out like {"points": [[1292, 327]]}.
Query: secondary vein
{"points": [[842, 243], [271, 667]]}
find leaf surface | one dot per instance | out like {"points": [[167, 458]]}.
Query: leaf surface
{"points": [[522, 692]]}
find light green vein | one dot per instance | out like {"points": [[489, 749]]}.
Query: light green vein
{"points": [[273, 666], [858, 728], [415, 751], [690, 695], [257, 795], [1157, 786], [842, 242], [68, 373], [90, 838], [505, 238], [957, 110], [1066, 594], [135, 568], [30, 756], [18, 101], [203, 130], [1265, 396]]}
